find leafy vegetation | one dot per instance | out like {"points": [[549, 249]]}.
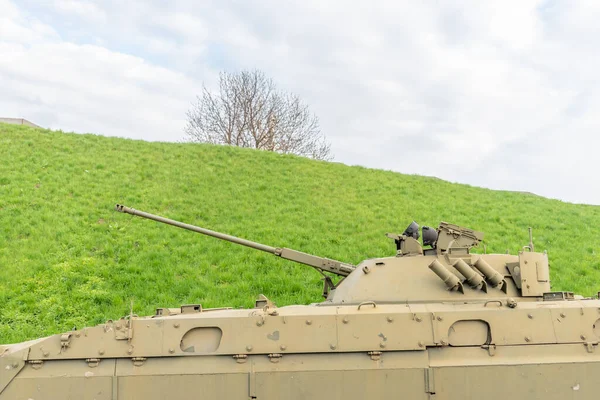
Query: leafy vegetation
{"points": [[67, 259]]}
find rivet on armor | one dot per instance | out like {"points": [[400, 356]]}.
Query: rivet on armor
{"points": [[240, 358], [249, 348], [308, 322], [390, 319]]}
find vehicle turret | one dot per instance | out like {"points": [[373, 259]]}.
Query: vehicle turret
{"points": [[441, 268]]}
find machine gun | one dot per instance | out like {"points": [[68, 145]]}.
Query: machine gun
{"points": [[319, 263]]}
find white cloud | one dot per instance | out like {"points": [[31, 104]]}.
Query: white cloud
{"points": [[495, 94], [81, 9], [88, 88]]}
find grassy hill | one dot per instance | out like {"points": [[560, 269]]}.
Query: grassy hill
{"points": [[67, 259]]}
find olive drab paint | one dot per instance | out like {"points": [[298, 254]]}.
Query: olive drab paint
{"points": [[436, 321]]}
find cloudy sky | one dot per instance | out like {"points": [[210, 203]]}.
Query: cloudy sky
{"points": [[503, 94]]}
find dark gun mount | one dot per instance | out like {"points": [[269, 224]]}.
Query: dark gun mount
{"points": [[319, 263], [447, 239]]}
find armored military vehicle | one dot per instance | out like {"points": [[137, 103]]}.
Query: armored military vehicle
{"points": [[435, 321]]}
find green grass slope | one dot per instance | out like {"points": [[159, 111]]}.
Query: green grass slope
{"points": [[67, 259]]}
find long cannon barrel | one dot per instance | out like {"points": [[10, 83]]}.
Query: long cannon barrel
{"points": [[320, 263]]}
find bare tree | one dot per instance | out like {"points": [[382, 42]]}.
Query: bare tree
{"points": [[249, 111]]}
